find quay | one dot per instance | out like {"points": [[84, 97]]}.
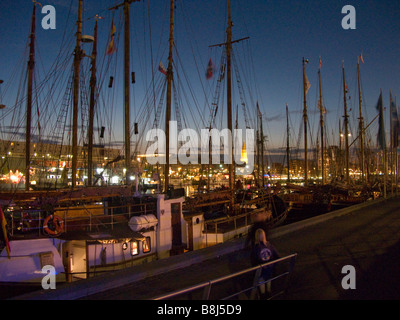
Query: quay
{"points": [[366, 236]]}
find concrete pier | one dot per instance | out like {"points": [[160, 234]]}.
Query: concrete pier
{"points": [[366, 236]]}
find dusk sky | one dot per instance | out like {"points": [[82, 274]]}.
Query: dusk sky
{"points": [[281, 33]]}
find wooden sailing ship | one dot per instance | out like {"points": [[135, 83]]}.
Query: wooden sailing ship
{"points": [[75, 225], [327, 195], [223, 204], [309, 198], [91, 229]]}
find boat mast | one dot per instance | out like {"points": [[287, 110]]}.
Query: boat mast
{"points": [[257, 176], [236, 127], [316, 154], [361, 124], [169, 92], [305, 118], [385, 158], [391, 142], [127, 107], [262, 148], [396, 166], [340, 158], [228, 46], [31, 66], [321, 107], [287, 143], [346, 128], [77, 62], [91, 108]]}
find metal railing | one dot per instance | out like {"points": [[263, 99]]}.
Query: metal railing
{"points": [[194, 293], [31, 220], [238, 221], [212, 228]]}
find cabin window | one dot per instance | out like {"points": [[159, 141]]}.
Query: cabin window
{"points": [[134, 248], [146, 245]]}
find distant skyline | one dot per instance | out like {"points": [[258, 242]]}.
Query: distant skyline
{"points": [[281, 33]]}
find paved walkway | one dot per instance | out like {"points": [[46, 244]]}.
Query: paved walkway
{"points": [[368, 239]]}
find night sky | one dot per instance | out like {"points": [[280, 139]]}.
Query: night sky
{"points": [[281, 33]]}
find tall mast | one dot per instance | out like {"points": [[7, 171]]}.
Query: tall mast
{"points": [[77, 62], [321, 106], [169, 92], [92, 106], [391, 143], [305, 118], [340, 157], [287, 143], [396, 163], [257, 176], [228, 46], [396, 166], [31, 66], [361, 125], [127, 67], [384, 152], [236, 127], [346, 128], [262, 149], [316, 154]]}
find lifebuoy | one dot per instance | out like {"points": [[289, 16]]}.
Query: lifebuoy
{"points": [[53, 225]]}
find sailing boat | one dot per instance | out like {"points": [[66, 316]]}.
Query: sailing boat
{"points": [[310, 198], [227, 203], [345, 193], [84, 231], [91, 230]]}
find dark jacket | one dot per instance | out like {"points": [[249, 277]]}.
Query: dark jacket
{"points": [[262, 254]]}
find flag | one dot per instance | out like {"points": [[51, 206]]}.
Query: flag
{"points": [[111, 48], [162, 69], [361, 58], [381, 132], [395, 123], [3, 225], [210, 70], [308, 85], [345, 85], [320, 63]]}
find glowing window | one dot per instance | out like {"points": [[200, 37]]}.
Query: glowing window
{"points": [[146, 245], [134, 248]]}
